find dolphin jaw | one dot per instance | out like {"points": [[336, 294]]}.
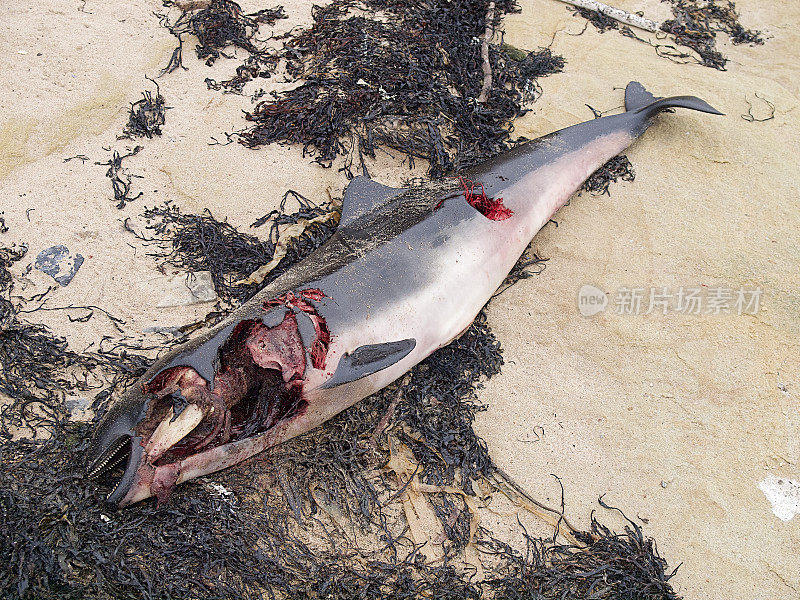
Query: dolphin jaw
{"points": [[117, 464], [110, 457], [177, 425]]}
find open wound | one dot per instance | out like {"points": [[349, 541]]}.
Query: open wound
{"points": [[257, 385], [491, 208], [300, 301]]}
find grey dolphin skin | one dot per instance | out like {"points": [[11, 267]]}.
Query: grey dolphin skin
{"points": [[405, 273]]}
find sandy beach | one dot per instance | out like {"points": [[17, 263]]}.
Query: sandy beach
{"points": [[676, 418]]}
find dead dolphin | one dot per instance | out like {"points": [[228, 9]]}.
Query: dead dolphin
{"points": [[405, 273]]}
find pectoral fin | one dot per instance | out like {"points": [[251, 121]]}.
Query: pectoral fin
{"points": [[369, 359]]}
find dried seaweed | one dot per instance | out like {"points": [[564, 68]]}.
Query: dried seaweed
{"points": [[528, 265], [228, 540], [81, 157], [231, 539], [604, 565], [394, 74], [600, 21], [218, 25], [120, 177], [697, 23], [201, 243], [769, 113], [400, 75], [147, 116], [617, 168], [694, 26]]}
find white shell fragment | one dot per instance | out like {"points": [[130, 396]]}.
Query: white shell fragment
{"points": [[783, 494]]}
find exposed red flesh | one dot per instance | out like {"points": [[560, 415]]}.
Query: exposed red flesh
{"points": [[279, 348], [491, 208], [164, 481], [172, 380], [257, 385], [214, 407], [319, 348], [252, 356], [299, 301]]}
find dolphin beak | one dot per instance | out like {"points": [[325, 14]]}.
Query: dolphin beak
{"points": [[117, 447]]}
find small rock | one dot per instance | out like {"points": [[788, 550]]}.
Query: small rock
{"points": [[76, 404], [78, 409], [174, 331], [57, 262], [183, 289]]}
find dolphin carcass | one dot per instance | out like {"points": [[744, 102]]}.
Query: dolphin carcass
{"points": [[406, 272]]}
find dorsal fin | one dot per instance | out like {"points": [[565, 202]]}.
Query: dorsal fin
{"points": [[637, 97], [362, 195]]}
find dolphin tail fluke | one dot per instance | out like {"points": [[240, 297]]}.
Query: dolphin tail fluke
{"points": [[639, 100]]}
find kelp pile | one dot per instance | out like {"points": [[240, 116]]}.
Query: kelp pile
{"points": [[400, 75], [600, 21], [697, 23], [202, 243], [147, 115], [218, 24], [615, 169], [606, 566], [121, 178], [257, 531]]}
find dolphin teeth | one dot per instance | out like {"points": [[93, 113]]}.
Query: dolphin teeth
{"points": [[104, 463], [172, 430]]}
